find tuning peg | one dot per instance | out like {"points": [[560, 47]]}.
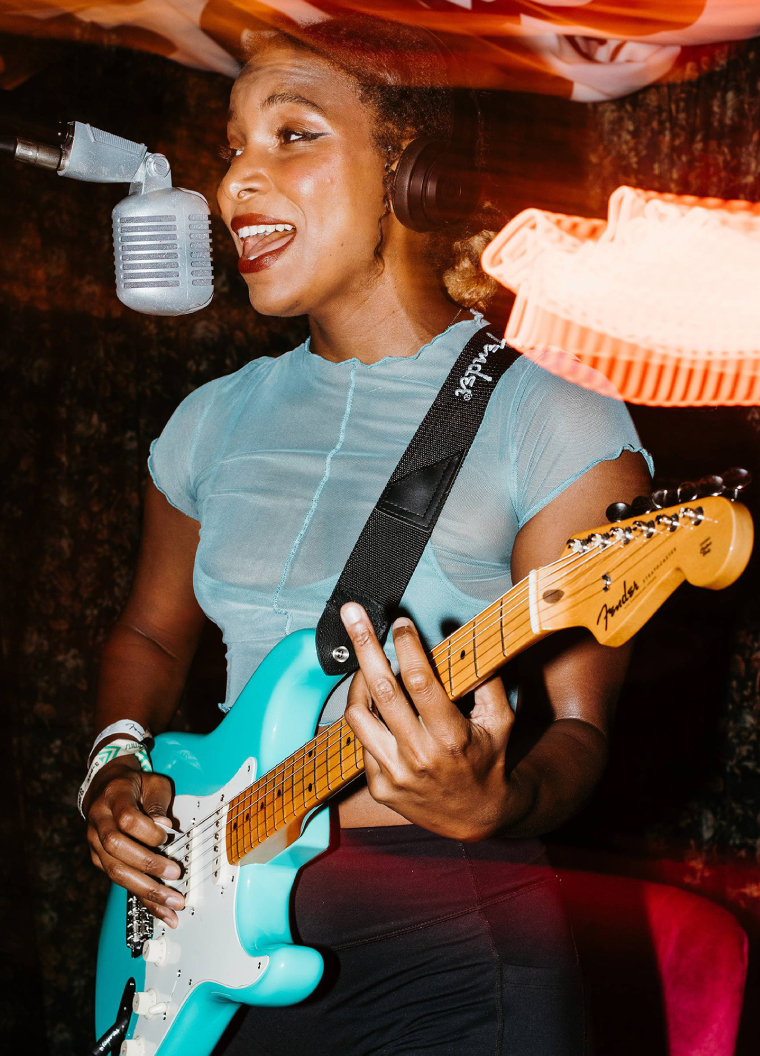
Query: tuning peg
{"points": [[736, 481], [642, 504], [664, 497], [618, 511], [688, 491], [710, 485]]}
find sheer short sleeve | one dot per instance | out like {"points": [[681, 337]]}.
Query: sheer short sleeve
{"points": [[558, 432], [172, 455]]}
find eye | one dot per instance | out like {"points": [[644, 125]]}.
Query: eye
{"points": [[228, 153], [292, 135]]}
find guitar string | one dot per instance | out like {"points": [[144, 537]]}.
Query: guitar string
{"points": [[466, 631], [264, 787], [318, 741], [337, 765], [324, 740], [515, 590], [270, 781], [550, 576], [194, 881], [619, 545], [248, 804], [315, 745]]}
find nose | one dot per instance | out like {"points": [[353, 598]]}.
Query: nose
{"points": [[245, 178]]}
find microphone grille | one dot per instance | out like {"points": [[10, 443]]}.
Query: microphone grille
{"points": [[162, 250]]}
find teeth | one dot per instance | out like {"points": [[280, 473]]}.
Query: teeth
{"points": [[263, 229]]}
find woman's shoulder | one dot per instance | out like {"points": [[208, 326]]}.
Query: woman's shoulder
{"points": [[198, 428], [556, 431], [227, 391], [229, 386], [536, 394]]}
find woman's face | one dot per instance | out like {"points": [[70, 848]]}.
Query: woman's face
{"points": [[304, 189]]}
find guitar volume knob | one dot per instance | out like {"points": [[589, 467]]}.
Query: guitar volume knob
{"points": [[154, 951], [144, 1001], [133, 1047]]}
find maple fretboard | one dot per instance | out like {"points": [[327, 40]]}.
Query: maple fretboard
{"points": [[334, 756]]}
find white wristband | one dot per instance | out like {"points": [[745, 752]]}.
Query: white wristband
{"points": [[107, 755], [128, 727]]}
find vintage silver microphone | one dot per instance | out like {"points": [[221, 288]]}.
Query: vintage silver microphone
{"points": [[161, 234]]}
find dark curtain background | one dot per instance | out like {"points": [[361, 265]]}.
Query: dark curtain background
{"points": [[87, 385]]}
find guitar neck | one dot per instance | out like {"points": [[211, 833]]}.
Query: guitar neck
{"points": [[329, 761]]}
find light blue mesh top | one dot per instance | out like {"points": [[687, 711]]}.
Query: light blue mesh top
{"points": [[282, 462]]}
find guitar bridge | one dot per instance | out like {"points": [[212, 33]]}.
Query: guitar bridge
{"points": [[139, 925]]}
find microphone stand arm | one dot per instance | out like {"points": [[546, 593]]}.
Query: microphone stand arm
{"points": [[90, 154]]}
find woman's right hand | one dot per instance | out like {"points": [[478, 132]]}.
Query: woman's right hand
{"points": [[123, 806]]}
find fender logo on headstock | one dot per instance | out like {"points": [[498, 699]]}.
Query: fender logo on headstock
{"points": [[705, 546], [608, 611]]}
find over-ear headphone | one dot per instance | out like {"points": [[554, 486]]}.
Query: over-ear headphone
{"points": [[437, 182]]}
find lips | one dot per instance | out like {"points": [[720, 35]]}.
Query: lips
{"points": [[263, 240]]}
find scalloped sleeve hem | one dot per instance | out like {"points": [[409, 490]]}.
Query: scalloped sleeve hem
{"points": [[177, 500], [546, 499]]}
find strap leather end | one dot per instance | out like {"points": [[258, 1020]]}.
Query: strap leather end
{"points": [[334, 649]]}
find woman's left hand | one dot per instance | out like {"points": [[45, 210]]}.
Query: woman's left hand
{"points": [[422, 756]]}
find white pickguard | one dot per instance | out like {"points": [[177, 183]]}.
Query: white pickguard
{"points": [[205, 945]]}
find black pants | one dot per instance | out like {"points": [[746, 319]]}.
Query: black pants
{"points": [[431, 947]]}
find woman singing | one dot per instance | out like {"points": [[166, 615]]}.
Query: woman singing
{"points": [[438, 915]]}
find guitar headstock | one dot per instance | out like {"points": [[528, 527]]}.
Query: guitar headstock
{"points": [[613, 578]]}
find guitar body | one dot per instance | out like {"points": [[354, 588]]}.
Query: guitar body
{"points": [[233, 944]]}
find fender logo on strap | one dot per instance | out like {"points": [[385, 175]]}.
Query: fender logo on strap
{"points": [[475, 370]]}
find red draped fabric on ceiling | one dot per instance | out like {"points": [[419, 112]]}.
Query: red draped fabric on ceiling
{"points": [[585, 50]]}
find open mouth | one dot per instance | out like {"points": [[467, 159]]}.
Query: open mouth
{"points": [[263, 239]]}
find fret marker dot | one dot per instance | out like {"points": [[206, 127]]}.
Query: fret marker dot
{"points": [[234, 825], [311, 752], [348, 740], [462, 655], [261, 807], [279, 792], [309, 788]]}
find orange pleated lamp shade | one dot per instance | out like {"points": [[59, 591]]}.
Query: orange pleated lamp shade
{"points": [[659, 304]]}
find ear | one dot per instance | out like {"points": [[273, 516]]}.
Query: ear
{"points": [[391, 158]]}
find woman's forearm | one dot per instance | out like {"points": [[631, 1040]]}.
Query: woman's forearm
{"points": [[553, 781], [140, 679]]}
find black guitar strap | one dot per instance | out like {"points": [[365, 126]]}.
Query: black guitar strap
{"points": [[392, 541]]}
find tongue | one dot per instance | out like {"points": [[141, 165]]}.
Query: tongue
{"points": [[255, 245]]}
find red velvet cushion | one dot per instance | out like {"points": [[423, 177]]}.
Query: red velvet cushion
{"points": [[665, 968]]}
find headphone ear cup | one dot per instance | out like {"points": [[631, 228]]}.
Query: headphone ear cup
{"points": [[411, 180], [433, 187]]}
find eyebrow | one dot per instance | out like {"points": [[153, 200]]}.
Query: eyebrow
{"points": [[292, 97], [281, 97]]}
